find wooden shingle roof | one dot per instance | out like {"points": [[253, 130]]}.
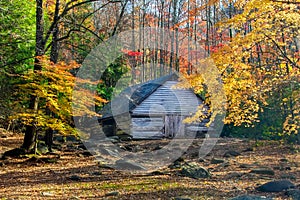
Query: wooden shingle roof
{"points": [[130, 98], [133, 96]]}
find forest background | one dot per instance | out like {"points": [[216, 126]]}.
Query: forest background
{"points": [[253, 43]]}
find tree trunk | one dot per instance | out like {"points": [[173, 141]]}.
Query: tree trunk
{"points": [[30, 132], [53, 58]]}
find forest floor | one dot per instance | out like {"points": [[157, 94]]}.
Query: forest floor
{"points": [[73, 174]]}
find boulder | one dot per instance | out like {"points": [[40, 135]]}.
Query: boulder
{"points": [[193, 170], [276, 186]]}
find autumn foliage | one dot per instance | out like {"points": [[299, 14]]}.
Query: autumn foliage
{"points": [[53, 85]]}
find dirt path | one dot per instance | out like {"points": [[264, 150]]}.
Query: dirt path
{"points": [[75, 175]]}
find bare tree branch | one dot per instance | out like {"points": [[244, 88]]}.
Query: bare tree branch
{"points": [[67, 8], [282, 52]]}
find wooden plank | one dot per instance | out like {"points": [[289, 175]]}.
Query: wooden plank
{"points": [[176, 100], [145, 119], [147, 135], [197, 128], [174, 125]]}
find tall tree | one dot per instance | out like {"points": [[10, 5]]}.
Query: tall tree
{"points": [[47, 37]]}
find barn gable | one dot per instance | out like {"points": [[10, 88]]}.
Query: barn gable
{"points": [[152, 109]]}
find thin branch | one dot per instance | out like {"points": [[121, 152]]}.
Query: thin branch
{"points": [[62, 38], [282, 52], [119, 19], [67, 8], [78, 47]]}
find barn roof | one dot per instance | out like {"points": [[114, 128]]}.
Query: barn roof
{"points": [[133, 96]]}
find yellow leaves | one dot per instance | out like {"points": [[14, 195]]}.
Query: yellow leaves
{"points": [[54, 86], [292, 123], [193, 81], [201, 114]]}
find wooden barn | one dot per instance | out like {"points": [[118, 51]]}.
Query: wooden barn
{"points": [[153, 109]]}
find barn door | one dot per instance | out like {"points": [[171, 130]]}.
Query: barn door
{"points": [[174, 126]]}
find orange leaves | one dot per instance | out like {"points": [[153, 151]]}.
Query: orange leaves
{"points": [[54, 85]]}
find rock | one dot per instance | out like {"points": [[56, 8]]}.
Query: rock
{"points": [[250, 197], [104, 165], [264, 171], [276, 186], [13, 153], [182, 198], [193, 170], [125, 137], [113, 139], [157, 173], [231, 153], [294, 194], [288, 176], [177, 163], [75, 178], [157, 147], [81, 146], [74, 198], [246, 166], [86, 154], [128, 165], [288, 168], [98, 173], [233, 175], [284, 160], [249, 149], [108, 151], [113, 193], [223, 165], [217, 161], [72, 138], [48, 194]]}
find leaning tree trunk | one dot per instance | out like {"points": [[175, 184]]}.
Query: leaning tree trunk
{"points": [[30, 132]]}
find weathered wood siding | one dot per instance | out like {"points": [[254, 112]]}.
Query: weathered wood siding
{"points": [[174, 125], [146, 127], [163, 112]]}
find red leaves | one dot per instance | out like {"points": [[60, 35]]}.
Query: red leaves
{"points": [[132, 53]]}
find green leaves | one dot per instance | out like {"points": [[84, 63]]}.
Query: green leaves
{"points": [[17, 29]]}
